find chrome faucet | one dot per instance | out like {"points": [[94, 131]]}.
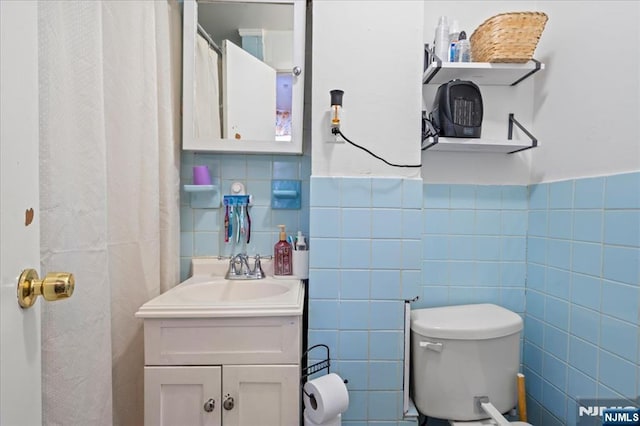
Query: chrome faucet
{"points": [[258, 273], [239, 268]]}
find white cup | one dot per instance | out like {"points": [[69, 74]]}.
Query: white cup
{"points": [[300, 264]]}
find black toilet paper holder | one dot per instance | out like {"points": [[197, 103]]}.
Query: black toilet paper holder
{"points": [[318, 366], [315, 368]]}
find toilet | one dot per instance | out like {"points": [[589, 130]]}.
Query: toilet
{"points": [[464, 363]]}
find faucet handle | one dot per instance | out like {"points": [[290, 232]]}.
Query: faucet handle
{"points": [[244, 263], [257, 268], [238, 265]]}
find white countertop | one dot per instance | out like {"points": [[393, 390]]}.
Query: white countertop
{"points": [[207, 294]]}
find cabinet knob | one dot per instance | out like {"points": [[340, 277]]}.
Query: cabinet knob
{"points": [[228, 403], [296, 71], [210, 405]]}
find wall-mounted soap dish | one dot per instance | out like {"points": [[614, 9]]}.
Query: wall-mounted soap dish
{"points": [[285, 194]]}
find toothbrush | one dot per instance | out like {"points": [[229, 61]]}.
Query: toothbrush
{"points": [[226, 224], [238, 225], [248, 226]]}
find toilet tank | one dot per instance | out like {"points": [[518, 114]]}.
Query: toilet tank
{"points": [[462, 352]]}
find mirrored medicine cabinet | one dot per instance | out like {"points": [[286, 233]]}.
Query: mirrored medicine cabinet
{"points": [[243, 76]]}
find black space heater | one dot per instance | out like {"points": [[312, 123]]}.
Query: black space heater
{"points": [[457, 110]]}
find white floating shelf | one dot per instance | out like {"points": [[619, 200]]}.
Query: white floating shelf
{"points": [[204, 196], [481, 73], [502, 146]]}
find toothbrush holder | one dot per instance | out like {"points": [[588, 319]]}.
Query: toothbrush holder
{"points": [[300, 264]]}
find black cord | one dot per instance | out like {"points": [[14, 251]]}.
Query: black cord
{"points": [[336, 131], [429, 130]]}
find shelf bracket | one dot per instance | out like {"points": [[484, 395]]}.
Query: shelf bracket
{"points": [[430, 56], [512, 121], [530, 73], [430, 143]]}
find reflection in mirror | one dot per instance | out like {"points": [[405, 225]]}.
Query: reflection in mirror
{"points": [[244, 58]]}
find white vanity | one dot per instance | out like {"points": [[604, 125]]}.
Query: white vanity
{"points": [[224, 352]]}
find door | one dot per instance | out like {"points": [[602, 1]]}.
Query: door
{"points": [[246, 77], [265, 395], [176, 396], [20, 354]]}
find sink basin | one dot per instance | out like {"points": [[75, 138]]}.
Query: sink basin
{"points": [[227, 291], [207, 294]]}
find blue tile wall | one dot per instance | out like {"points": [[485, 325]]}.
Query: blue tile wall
{"points": [[201, 230], [474, 245], [365, 259], [565, 255], [583, 293]]}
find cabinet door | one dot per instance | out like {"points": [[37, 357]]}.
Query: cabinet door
{"points": [[178, 396], [246, 77], [265, 395]]}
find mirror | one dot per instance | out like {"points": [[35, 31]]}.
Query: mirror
{"points": [[243, 80]]}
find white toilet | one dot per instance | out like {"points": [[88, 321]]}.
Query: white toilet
{"points": [[464, 363]]}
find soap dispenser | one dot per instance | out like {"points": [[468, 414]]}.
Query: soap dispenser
{"points": [[282, 254]]}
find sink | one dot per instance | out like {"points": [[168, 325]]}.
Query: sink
{"points": [[241, 339], [207, 294], [227, 291]]}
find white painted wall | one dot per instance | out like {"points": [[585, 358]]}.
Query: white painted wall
{"points": [[373, 51], [498, 102], [583, 109], [587, 103]]}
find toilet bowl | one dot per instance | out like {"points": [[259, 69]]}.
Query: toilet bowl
{"points": [[464, 363]]}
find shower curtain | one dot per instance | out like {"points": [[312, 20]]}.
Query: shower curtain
{"points": [[109, 196], [207, 97]]}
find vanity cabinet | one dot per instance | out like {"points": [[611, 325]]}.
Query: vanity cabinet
{"points": [[229, 395], [222, 371], [179, 395]]}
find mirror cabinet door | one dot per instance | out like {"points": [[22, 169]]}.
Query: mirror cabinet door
{"points": [[243, 76]]}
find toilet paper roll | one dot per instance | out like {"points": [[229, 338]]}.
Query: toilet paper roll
{"points": [[336, 421], [325, 398]]}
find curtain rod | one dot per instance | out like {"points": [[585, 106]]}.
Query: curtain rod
{"points": [[207, 37]]}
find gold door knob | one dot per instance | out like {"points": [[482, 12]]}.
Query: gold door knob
{"points": [[55, 286]]}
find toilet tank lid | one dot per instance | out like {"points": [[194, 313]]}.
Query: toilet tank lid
{"points": [[465, 322]]}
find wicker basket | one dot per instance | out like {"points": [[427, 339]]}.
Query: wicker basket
{"points": [[507, 37]]}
